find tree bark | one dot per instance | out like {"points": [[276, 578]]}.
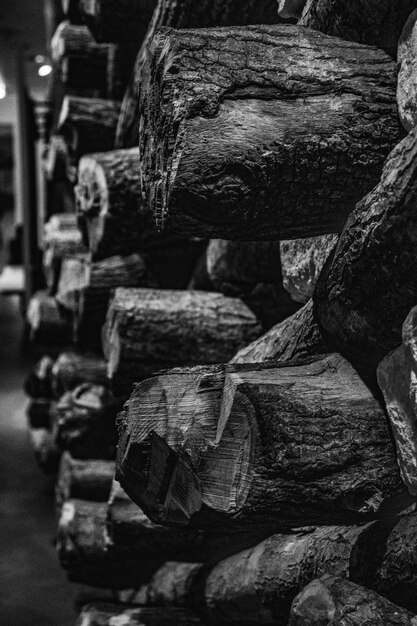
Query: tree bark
{"points": [[106, 615], [186, 14], [336, 601], [38, 383], [84, 550], [407, 74], [46, 453], [292, 444], [277, 142], [302, 261], [118, 21], [85, 422], [147, 330], [83, 480], [72, 369], [61, 238], [38, 413], [373, 22], [46, 326]]}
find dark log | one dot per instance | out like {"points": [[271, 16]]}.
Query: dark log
{"points": [[61, 238], [71, 11], [38, 383], [407, 73], [150, 329], [46, 326], [118, 21], [290, 445], [120, 64], [85, 422], [186, 14], [127, 525], [38, 413], [85, 552], [46, 453], [279, 141], [337, 601], [110, 615], [85, 288], [291, 9], [83, 480], [54, 160], [72, 369], [302, 261], [87, 125], [373, 22]]}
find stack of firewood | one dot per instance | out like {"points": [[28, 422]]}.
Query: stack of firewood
{"points": [[227, 393]]}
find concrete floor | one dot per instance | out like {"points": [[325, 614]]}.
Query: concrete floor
{"points": [[33, 589]]}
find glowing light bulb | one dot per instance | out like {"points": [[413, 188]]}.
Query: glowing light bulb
{"points": [[45, 70]]}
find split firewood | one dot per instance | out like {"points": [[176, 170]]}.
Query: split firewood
{"points": [[71, 11], [118, 21], [336, 601], [72, 369], [46, 325], [47, 454], [38, 383], [128, 526], [80, 61], [110, 615], [61, 238], [83, 480], [407, 74], [149, 329], [204, 169], [85, 552], [290, 444], [373, 22], [85, 288], [185, 14], [291, 8], [87, 125], [85, 422], [302, 261], [38, 413]]}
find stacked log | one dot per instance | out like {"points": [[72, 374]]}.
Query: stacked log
{"points": [[83, 480], [72, 369], [117, 21], [46, 325]]}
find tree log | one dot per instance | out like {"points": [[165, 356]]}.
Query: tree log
{"points": [[337, 601], [291, 8], [108, 615], [373, 22], [46, 453], [302, 261], [61, 238], [85, 552], [186, 14], [38, 413], [118, 21], [407, 74], [120, 64], [234, 150], [289, 445], [72, 369], [54, 160], [46, 326], [149, 329], [71, 11], [85, 422], [83, 480], [38, 383]]}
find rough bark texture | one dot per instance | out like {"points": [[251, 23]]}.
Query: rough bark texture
{"points": [[62, 238], [38, 383], [407, 74], [278, 140], [397, 376], [85, 422], [149, 329], [72, 369], [83, 480], [38, 413], [110, 615], [375, 22], [338, 602], [84, 550], [46, 326], [302, 261], [292, 444], [365, 293], [186, 14], [118, 21], [46, 453]]}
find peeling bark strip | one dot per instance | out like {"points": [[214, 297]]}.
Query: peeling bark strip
{"points": [[127, 525], [85, 552], [118, 21], [397, 376], [84, 480], [110, 615], [45, 322], [374, 22], [61, 238], [72, 369], [85, 422], [186, 14], [150, 329], [407, 74], [239, 126], [294, 445], [336, 601]]}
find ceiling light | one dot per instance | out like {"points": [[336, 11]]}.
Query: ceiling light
{"points": [[45, 70]]}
